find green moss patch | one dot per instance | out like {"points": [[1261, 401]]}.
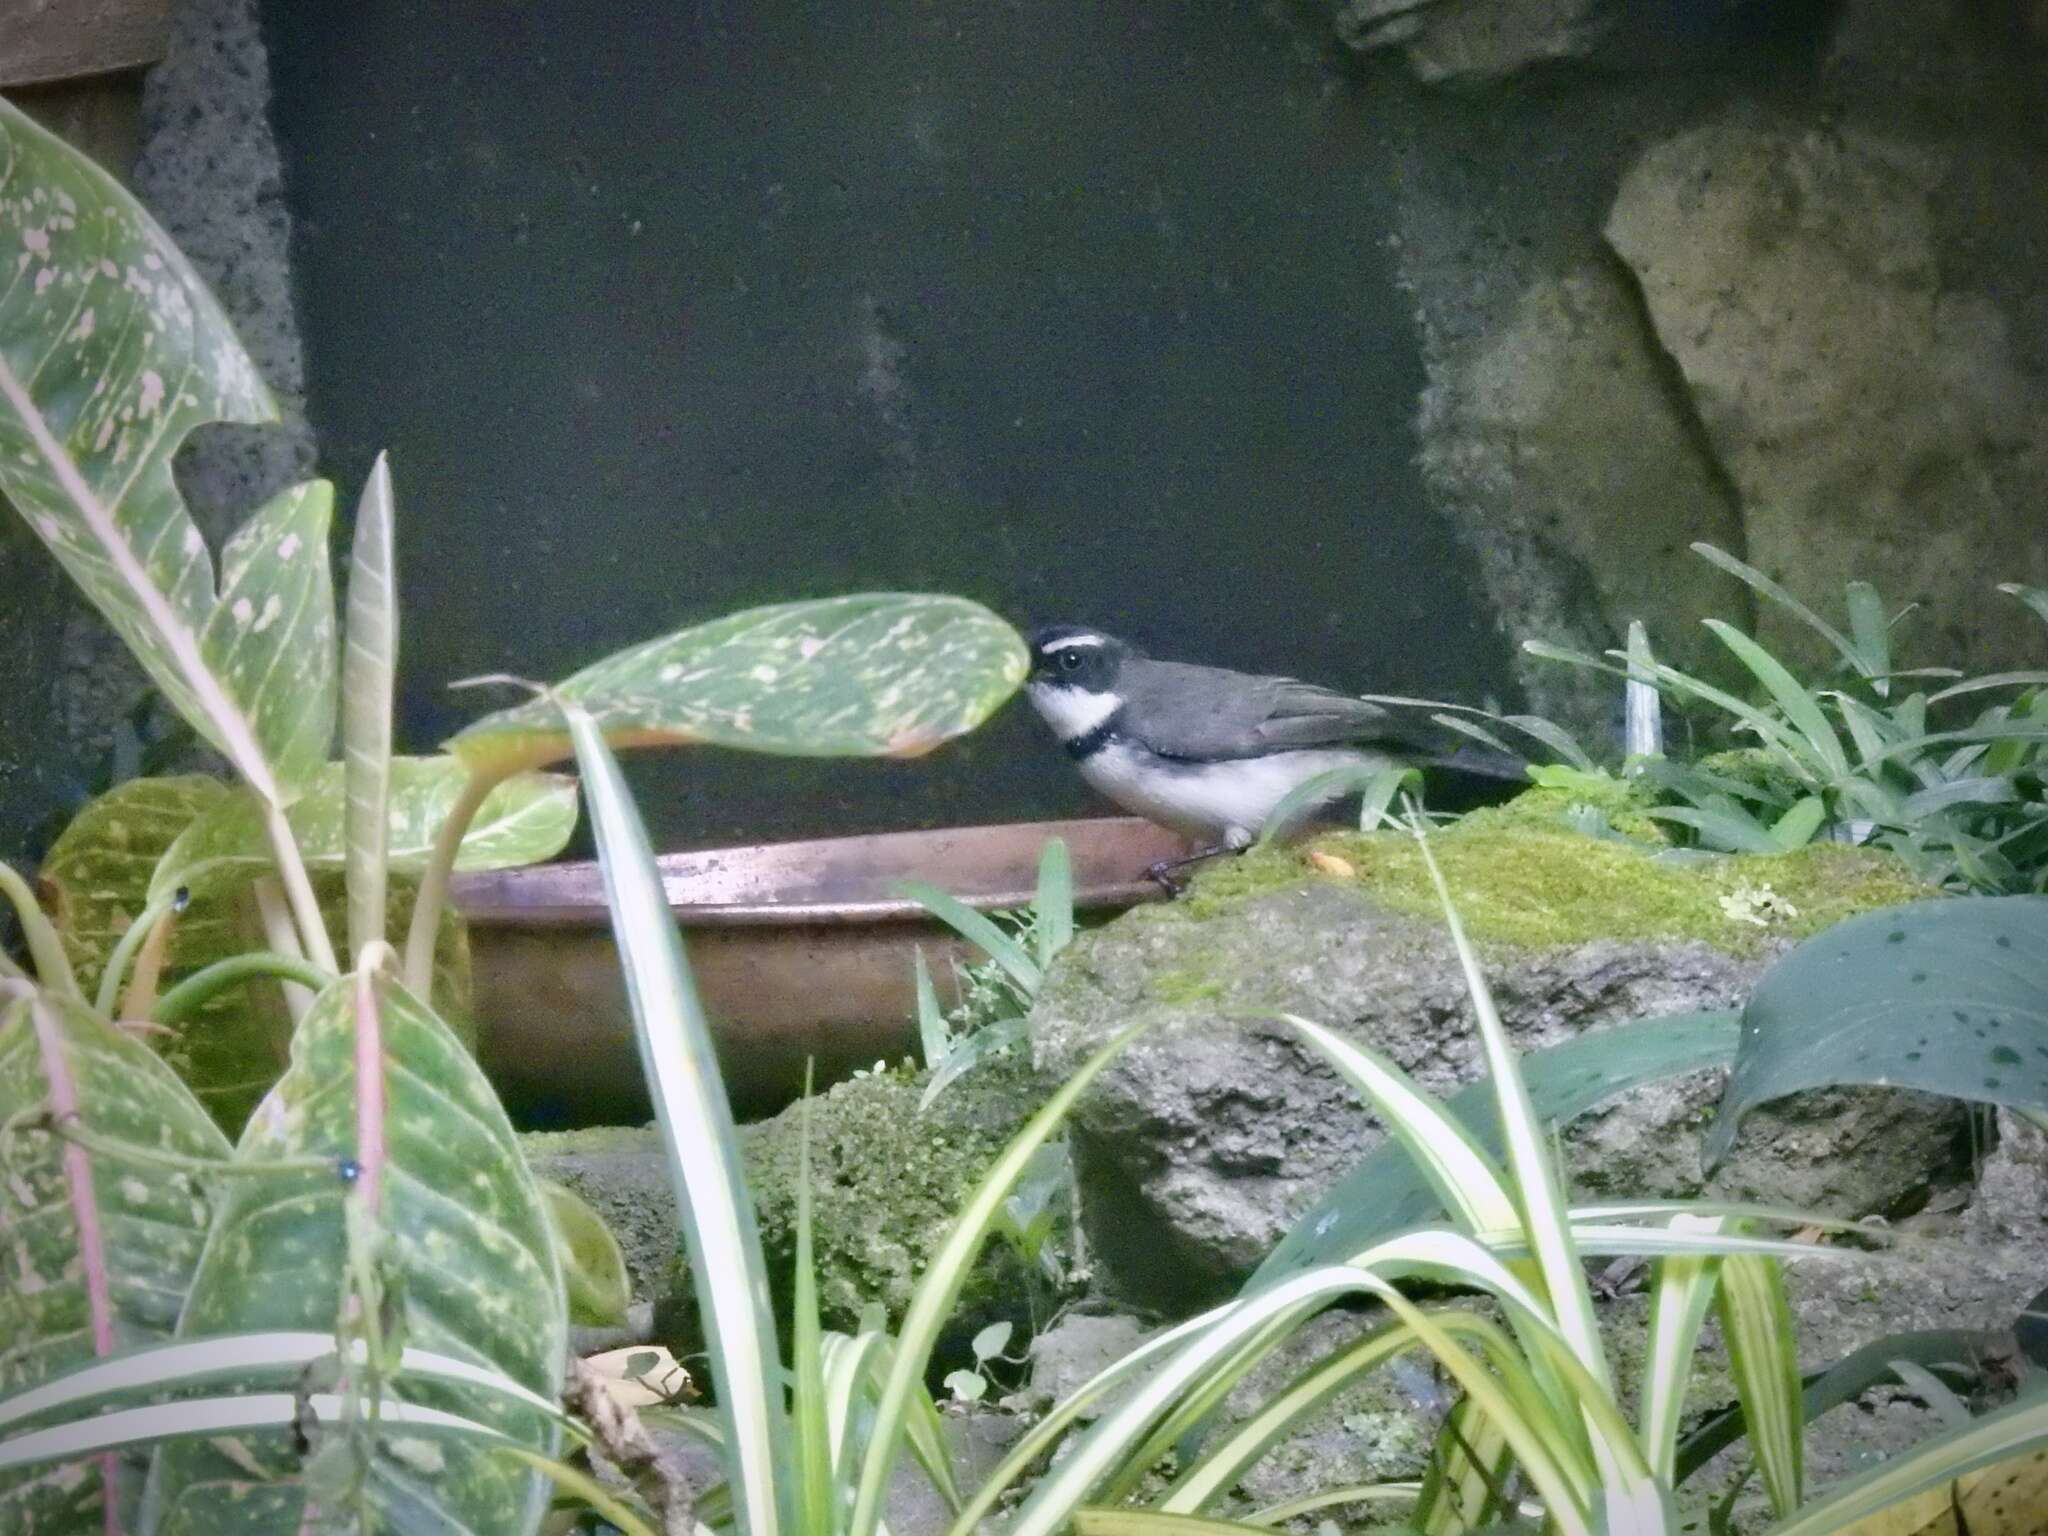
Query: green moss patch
{"points": [[1519, 875]]}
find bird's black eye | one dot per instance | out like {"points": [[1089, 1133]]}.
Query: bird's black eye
{"points": [[1070, 661]]}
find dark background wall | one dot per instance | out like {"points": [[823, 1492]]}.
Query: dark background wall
{"points": [[1088, 312]]}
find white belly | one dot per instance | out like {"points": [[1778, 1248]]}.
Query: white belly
{"points": [[1217, 802]]}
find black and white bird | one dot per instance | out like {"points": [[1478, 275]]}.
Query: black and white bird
{"points": [[1205, 751]]}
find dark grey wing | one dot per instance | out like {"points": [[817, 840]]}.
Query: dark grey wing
{"points": [[1251, 716]]}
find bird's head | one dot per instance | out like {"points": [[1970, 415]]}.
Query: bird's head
{"points": [[1073, 681]]}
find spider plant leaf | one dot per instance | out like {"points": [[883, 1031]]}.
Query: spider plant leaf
{"points": [[1681, 1289], [103, 1243], [1387, 1192], [2017, 1430], [369, 663], [1474, 730], [1987, 681], [1790, 695], [111, 352], [817, 1490], [1553, 736], [979, 930], [1052, 910], [465, 1247], [1763, 1357], [1152, 1522], [875, 675], [1465, 1488], [1954, 1356], [1928, 803], [933, 1301], [1941, 996], [681, 1067], [1869, 729], [525, 819], [1758, 582]]}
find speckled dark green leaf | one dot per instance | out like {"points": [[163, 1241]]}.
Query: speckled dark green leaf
{"points": [[111, 352], [468, 1245], [151, 1223], [95, 882], [524, 820], [1942, 996], [874, 675]]}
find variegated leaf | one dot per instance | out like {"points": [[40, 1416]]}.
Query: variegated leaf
{"points": [[111, 352], [96, 882], [466, 1248], [99, 1244], [524, 820], [875, 675]]}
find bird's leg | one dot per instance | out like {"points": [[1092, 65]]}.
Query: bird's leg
{"points": [[1162, 873]]}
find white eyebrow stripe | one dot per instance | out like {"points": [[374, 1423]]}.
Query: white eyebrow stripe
{"points": [[1073, 642]]}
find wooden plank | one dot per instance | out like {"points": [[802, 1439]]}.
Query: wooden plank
{"points": [[44, 40]]}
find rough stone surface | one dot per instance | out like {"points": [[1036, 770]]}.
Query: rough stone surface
{"points": [[1200, 1146], [1878, 419], [887, 1182], [1475, 39]]}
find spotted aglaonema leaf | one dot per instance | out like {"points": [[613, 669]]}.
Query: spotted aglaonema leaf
{"points": [[95, 883], [524, 820], [874, 675], [111, 352], [465, 1257], [101, 1241], [1942, 996]]}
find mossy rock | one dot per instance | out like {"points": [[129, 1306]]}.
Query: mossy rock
{"points": [[1518, 874], [887, 1182]]}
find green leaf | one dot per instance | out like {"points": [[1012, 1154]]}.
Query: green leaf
{"points": [[1758, 582], [1387, 1193], [593, 1269], [527, 818], [97, 878], [111, 352], [875, 675], [1800, 707], [369, 663], [1763, 1356], [1681, 1289], [1796, 827], [465, 1244], [1379, 782], [102, 1244], [979, 930], [719, 1228], [2035, 598], [1942, 996], [1052, 910]]}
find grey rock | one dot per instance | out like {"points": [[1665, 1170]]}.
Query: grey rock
{"points": [[1078, 1347], [1211, 1134], [1881, 412]]}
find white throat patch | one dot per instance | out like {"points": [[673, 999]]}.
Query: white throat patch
{"points": [[1072, 712]]}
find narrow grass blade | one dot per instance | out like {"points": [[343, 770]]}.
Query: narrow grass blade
{"points": [[1681, 1290], [1763, 1355], [934, 1034], [1800, 706], [963, 1056], [1758, 582], [1329, 1498], [369, 662], [1871, 632], [1869, 729], [1553, 736], [1148, 1522], [2035, 598], [933, 1301], [978, 930], [1053, 911], [1474, 730], [1988, 681], [676, 1054], [1316, 792]]}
